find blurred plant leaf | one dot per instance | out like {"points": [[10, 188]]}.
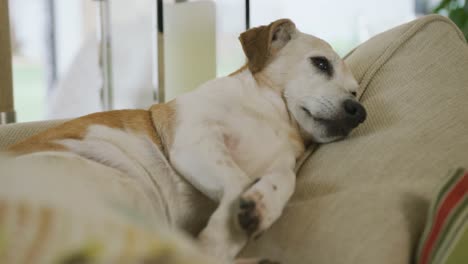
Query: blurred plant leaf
{"points": [[456, 12], [458, 16], [465, 29], [441, 6]]}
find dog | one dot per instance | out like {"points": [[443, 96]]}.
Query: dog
{"points": [[234, 140]]}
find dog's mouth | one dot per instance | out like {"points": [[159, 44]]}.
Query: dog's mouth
{"points": [[315, 118], [335, 127]]}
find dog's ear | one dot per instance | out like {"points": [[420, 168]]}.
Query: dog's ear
{"points": [[261, 43]]}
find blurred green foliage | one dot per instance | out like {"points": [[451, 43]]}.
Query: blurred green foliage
{"points": [[457, 11]]}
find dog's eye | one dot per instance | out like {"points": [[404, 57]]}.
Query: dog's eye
{"points": [[307, 111], [322, 64]]}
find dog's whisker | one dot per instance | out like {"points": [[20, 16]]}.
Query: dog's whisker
{"points": [[326, 104], [327, 101]]}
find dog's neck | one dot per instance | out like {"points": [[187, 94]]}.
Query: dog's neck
{"points": [[275, 94], [263, 80]]}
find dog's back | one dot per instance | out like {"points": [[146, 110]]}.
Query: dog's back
{"points": [[121, 145]]}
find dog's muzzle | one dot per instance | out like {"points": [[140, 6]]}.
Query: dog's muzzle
{"points": [[352, 114]]}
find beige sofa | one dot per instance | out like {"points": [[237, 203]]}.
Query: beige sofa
{"points": [[364, 199]]}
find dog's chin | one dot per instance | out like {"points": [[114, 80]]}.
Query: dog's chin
{"points": [[325, 131], [334, 129], [328, 138]]}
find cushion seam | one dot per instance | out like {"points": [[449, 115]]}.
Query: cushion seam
{"points": [[395, 45], [391, 49]]}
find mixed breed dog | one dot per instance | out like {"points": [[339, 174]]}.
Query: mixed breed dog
{"points": [[234, 140]]}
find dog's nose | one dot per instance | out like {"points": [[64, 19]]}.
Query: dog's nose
{"points": [[354, 111]]}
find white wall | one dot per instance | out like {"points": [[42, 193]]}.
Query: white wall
{"points": [[27, 18], [70, 31], [341, 22]]}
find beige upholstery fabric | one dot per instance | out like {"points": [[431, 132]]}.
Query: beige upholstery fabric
{"points": [[364, 199], [12, 133]]}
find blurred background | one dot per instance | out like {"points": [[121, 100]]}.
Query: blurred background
{"points": [[56, 50]]}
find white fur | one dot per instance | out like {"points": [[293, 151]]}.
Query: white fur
{"points": [[138, 157], [251, 112]]}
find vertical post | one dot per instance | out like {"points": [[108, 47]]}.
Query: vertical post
{"points": [[247, 14], [7, 112], [51, 47], [105, 53], [158, 59]]}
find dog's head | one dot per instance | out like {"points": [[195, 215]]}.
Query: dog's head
{"points": [[318, 88]]}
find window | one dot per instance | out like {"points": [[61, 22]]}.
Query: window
{"points": [[56, 70]]}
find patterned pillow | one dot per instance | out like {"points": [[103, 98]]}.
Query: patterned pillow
{"points": [[445, 239]]}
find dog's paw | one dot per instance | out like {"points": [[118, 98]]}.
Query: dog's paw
{"points": [[267, 261], [255, 261], [251, 213], [248, 217]]}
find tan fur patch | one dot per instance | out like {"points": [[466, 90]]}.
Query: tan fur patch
{"points": [[263, 81], [245, 66], [137, 121], [164, 118], [257, 43], [45, 222], [295, 137]]}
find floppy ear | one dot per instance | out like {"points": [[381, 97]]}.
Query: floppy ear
{"points": [[261, 43]]}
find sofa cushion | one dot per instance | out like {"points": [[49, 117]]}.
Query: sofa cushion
{"points": [[12, 133], [364, 199]]}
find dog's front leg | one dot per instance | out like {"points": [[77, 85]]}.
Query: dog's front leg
{"points": [[207, 165], [263, 203]]}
